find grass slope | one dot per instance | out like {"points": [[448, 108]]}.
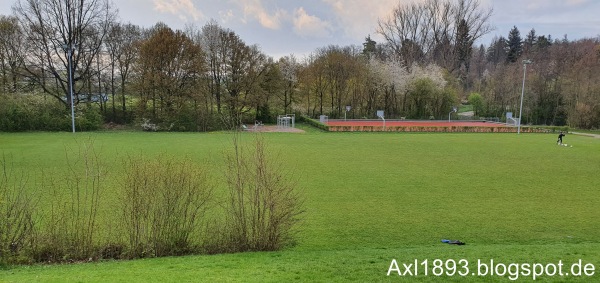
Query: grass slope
{"points": [[371, 198]]}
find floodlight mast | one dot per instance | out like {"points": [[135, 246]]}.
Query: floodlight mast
{"points": [[69, 49], [525, 63]]}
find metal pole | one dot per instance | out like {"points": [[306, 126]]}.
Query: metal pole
{"points": [[70, 54], [525, 62]]}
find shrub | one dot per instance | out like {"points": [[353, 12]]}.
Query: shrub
{"points": [[314, 123], [263, 205], [24, 112], [71, 230], [163, 204], [89, 120], [16, 215]]}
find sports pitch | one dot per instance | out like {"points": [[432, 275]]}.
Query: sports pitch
{"points": [[372, 198]]}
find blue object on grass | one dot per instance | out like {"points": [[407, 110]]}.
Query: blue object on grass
{"points": [[453, 242]]}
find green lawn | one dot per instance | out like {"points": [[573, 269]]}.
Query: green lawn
{"points": [[371, 198], [465, 108], [595, 132]]}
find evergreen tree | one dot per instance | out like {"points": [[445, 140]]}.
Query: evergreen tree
{"points": [[464, 49], [543, 42], [530, 42], [369, 47], [515, 45], [496, 53]]}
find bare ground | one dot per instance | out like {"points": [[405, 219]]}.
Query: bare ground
{"points": [[274, 129]]}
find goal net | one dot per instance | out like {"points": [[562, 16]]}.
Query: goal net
{"points": [[512, 121]]}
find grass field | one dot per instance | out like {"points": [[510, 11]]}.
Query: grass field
{"points": [[371, 198]]}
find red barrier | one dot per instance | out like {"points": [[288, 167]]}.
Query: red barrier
{"points": [[424, 126], [415, 123]]}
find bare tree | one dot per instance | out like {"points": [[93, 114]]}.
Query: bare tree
{"points": [[122, 42], [435, 30], [11, 54], [213, 44], [289, 67], [56, 29], [236, 71], [168, 71]]}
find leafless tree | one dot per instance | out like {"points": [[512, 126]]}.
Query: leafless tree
{"points": [[213, 44], [429, 30], [236, 71], [121, 43], [167, 73], [11, 53], [53, 27], [289, 67]]}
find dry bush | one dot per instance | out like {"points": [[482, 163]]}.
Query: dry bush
{"points": [[16, 214], [164, 202], [71, 230], [263, 204]]}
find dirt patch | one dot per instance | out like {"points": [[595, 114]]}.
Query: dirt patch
{"points": [[274, 129]]}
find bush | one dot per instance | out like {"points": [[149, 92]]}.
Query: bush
{"points": [[89, 119], [476, 100], [550, 129], [164, 202], [24, 112], [314, 123], [263, 205], [164, 208], [16, 215], [71, 231]]}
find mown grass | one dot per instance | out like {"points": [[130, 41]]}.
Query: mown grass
{"points": [[595, 132], [465, 108], [371, 198]]}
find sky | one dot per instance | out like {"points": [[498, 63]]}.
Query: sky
{"points": [[299, 27]]}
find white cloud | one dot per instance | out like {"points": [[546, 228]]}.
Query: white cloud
{"points": [[576, 2], [358, 18], [256, 10], [180, 8], [226, 16], [307, 25]]}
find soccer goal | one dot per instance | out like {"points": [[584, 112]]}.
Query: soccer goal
{"points": [[286, 121], [512, 121]]}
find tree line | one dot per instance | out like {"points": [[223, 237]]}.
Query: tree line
{"points": [[207, 78]]}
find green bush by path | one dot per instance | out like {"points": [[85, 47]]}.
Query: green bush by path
{"points": [[373, 197]]}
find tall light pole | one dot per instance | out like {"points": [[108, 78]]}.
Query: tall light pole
{"points": [[69, 49], [525, 63]]}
